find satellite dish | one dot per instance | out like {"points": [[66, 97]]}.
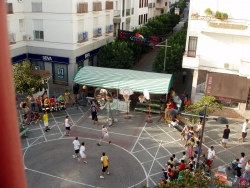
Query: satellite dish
{"points": [[126, 91]]}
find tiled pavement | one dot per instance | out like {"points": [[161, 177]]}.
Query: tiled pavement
{"points": [[138, 152]]}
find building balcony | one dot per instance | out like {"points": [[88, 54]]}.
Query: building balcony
{"points": [[244, 69], [190, 62], [160, 5], [122, 13], [228, 26]]}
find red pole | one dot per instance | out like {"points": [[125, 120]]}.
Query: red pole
{"points": [[12, 170]]}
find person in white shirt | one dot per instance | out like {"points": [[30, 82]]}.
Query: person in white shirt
{"points": [[246, 174], [67, 125], [178, 103], [241, 164], [82, 153], [244, 131], [105, 134], [76, 144], [210, 158]]}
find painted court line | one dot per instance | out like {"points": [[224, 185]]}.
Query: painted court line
{"points": [[59, 177], [138, 137]]}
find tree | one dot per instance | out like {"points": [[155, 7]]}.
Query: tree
{"points": [[196, 180], [174, 54], [116, 55], [25, 81], [198, 107]]}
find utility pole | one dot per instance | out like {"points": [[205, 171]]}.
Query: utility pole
{"points": [[166, 46], [202, 131]]}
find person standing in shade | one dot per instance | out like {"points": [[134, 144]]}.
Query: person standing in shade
{"points": [[39, 103], [94, 110], [76, 144], [105, 134], [84, 92], [184, 75], [82, 153], [244, 131], [105, 163], [67, 125], [225, 136], [32, 103], [178, 104], [46, 121]]}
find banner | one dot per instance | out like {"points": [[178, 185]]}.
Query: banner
{"points": [[138, 38]]}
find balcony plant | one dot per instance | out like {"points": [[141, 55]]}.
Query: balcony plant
{"points": [[218, 15], [195, 15], [224, 16], [208, 12]]}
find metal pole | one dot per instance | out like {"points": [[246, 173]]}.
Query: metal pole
{"points": [[166, 46], [202, 131]]}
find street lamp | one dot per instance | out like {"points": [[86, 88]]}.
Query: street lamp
{"points": [[166, 46]]}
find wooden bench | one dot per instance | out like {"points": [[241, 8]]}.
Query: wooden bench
{"points": [[23, 130]]}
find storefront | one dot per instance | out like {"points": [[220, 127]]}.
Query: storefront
{"points": [[57, 65], [19, 58], [87, 59]]}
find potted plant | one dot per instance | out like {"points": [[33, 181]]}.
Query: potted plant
{"points": [[224, 16], [208, 11], [195, 15], [218, 15]]}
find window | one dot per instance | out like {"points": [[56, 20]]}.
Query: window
{"points": [[38, 29], [192, 44], [146, 17], [166, 3], [21, 24], [162, 11], [139, 20], [37, 7], [140, 4], [80, 26], [9, 8]]}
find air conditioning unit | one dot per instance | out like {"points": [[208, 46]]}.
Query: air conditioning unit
{"points": [[26, 37], [80, 36], [12, 38], [231, 66], [99, 31], [20, 0], [85, 35], [110, 27]]}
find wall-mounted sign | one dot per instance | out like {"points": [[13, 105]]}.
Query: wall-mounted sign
{"points": [[48, 58], [60, 72], [37, 67]]}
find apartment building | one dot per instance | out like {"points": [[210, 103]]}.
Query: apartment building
{"points": [[161, 7], [217, 49], [60, 35]]}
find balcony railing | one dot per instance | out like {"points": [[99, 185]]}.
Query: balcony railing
{"points": [[127, 12], [150, 5], [109, 5], [82, 8], [9, 8], [97, 6], [117, 13]]}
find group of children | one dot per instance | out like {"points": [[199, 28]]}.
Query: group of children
{"points": [[54, 103], [174, 166]]}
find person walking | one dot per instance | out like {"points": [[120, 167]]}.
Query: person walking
{"points": [[184, 75], [241, 164], [225, 136], [244, 131], [67, 125], [82, 153], [76, 144], [105, 163], [46, 121], [105, 134], [94, 110], [210, 158]]}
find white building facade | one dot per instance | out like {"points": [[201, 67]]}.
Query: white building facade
{"points": [[60, 35], [218, 50]]}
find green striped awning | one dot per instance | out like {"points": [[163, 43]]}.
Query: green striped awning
{"points": [[156, 83]]}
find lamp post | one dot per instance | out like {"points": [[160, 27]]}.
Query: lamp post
{"points": [[166, 46]]}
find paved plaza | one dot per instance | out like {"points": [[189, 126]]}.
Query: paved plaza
{"points": [[137, 153]]}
